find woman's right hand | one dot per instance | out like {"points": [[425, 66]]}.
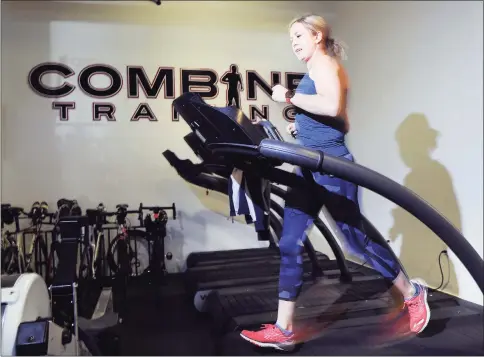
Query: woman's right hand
{"points": [[291, 128]]}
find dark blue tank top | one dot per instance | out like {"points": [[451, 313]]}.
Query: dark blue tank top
{"points": [[323, 133]]}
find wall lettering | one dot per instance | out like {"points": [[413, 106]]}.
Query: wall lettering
{"points": [[205, 81]]}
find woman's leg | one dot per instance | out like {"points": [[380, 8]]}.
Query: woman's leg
{"points": [[291, 272], [343, 201]]}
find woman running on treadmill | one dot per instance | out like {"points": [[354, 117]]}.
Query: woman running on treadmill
{"points": [[321, 122]]}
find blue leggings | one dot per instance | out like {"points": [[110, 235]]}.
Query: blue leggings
{"points": [[342, 202]]}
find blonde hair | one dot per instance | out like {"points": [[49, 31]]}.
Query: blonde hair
{"points": [[316, 23]]}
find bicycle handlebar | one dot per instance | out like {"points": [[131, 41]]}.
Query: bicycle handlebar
{"points": [[40, 213], [38, 216], [116, 213], [157, 209]]}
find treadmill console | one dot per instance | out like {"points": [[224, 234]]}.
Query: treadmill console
{"points": [[221, 124]]}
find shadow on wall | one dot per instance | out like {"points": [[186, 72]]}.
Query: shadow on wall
{"points": [[428, 178]]}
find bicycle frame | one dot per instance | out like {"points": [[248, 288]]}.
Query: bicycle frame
{"points": [[96, 248], [29, 255], [10, 241]]}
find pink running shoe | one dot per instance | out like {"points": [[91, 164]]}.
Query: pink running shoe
{"points": [[418, 308], [270, 336]]}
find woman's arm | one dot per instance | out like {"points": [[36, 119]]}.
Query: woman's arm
{"points": [[331, 88]]}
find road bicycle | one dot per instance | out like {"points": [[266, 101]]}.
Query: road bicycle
{"points": [[17, 259], [155, 224], [10, 256]]}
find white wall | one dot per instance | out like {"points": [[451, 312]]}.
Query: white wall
{"points": [[416, 69], [121, 162]]}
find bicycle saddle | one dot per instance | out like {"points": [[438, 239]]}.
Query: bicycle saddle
{"points": [[123, 207], [76, 209], [91, 212], [96, 211], [9, 213], [65, 201]]}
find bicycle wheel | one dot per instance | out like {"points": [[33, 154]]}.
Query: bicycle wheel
{"points": [[137, 252], [52, 261], [41, 257], [85, 263], [10, 262]]}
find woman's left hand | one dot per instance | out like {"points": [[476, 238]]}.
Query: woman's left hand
{"points": [[279, 93]]}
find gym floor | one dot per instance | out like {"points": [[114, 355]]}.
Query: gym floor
{"points": [[170, 325]]}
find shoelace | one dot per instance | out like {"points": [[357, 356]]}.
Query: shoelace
{"points": [[268, 327], [271, 331], [413, 304]]}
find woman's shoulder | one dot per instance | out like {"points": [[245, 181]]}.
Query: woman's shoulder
{"points": [[330, 63]]}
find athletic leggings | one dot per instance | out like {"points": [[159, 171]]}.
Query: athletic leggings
{"points": [[342, 202]]}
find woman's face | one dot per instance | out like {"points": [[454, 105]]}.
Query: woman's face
{"points": [[304, 41]]}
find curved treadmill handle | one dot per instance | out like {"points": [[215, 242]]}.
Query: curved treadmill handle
{"points": [[232, 148], [291, 153], [382, 185]]}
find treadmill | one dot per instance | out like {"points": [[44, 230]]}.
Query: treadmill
{"points": [[226, 270], [229, 269], [204, 267], [330, 304], [251, 274]]}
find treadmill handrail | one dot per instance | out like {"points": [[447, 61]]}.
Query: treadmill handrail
{"points": [[316, 160], [291, 153], [232, 148]]}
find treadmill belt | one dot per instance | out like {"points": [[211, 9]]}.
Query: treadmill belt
{"points": [[240, 258], [237, 259], [196, 258], [238, 263], [441, 338], [254, 284], [241, 270], [362, 302]]}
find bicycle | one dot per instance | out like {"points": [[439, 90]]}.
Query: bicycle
{"points": [[18, 257], [121, 256], [155, 226], [38, 213], [10, 256], [127, 238], [97, 218]]}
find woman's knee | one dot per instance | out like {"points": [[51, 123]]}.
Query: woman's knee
{"points": [[291, 244], [294, 231]]}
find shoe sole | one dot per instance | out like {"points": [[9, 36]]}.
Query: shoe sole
{"points": [[427, 308], [277, 346]]}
